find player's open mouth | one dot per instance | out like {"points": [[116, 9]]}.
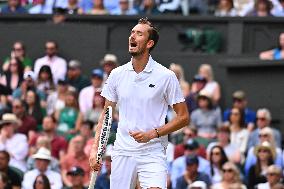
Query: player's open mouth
{"points": [[133, 44]]}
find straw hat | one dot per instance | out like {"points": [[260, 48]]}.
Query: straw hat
{"points": [[267, 146], [42, 153], [8, 118]]}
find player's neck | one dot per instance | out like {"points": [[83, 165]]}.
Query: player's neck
{"points": [[139, 62]]}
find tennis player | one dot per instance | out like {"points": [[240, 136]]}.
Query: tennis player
{"points": [[143, 89]]}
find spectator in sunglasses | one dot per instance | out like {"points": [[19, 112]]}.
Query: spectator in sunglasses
{"points": [[273, 177]]}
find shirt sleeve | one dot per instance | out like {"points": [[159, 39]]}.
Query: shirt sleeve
{"points": [[109, 90], [173, 91]]}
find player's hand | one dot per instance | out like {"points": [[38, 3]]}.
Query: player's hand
{"points": [[143, 137], [95, 166]]}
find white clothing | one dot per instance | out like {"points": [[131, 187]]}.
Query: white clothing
{"points": [[230, 149], [54, 103], [210, 87], [151, 170], [53, 177], [143, 101], [222, 13], [40, 9], [172, 6], [18, 148], [243, 7], [86, 98], [57, 65], [217, 177], [240, 139], [263, 186]]}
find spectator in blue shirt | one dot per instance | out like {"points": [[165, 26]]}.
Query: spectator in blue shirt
{"points": [[240, 102], [13, 6], [124, 9]]}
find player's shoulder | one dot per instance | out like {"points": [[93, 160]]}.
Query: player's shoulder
{"points": [[118, 70], [162, 70]]}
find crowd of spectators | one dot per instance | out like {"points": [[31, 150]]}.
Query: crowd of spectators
{"points": [[49, 109], [258, 8]]}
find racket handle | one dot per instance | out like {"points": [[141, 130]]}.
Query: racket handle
{"points": [[93, 180]]}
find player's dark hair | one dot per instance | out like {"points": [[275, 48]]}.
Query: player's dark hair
{"points": [[153, 32]]}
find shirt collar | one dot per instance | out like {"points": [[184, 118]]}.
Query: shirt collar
{"points": [[149, 66]]}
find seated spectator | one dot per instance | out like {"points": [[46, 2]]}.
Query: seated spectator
{"points": [[42, 159], [15, 144], [262, 8], [263, 120], [41, 7], [58, 143], [223, 140], [240, 101], [13, 77], [273, 177], [108, 63], [87, 94], [212, 87], [75, 77], [239, 133], [18, 52], [29, 84], [124, 9], [231, 176], [206, 118], [280, 11], [99, 8], [265, 155], [41, 182], [148, 7], [274, 54], [75, 157], [13, 7], [57, 64], [85, 6], [13, 176], [217, 159], [33, 107], [27, 123], [179, 166], [56, 100], [192, 174], [189, 133], [265, 135], [76, 177], [59, 16], [42, 141], [67, 116], [86, 131], [198, 84], [45, 81], [226, 8], [243, 7]]}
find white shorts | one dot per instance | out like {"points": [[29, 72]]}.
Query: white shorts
{"points": [[150, 169]]}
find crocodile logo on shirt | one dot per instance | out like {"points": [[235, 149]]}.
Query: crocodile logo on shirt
{"points": [[151, 86]]}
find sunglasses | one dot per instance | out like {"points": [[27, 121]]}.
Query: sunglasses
{"points": [[263, 135], [261, 118], [216, 153], [188, 134], [272, 174], [17, 49], [228, 170], [235, 113], [263, 150]]}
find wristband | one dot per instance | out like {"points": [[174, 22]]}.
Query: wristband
{"points": [[158, 135]]}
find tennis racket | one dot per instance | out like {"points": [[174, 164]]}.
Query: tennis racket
{"points": [[102, 142]]}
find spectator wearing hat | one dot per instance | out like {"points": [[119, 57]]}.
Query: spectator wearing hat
{"points": [[57, 64], [124, 9], [109, 62], [14, 143], [223, 139], [13, 7], [29, 83], [75, 157], [198, 84], [76, 177], [75, 77], [27, 123], [240, 101], [273, 177], [42, 160], [265, 154], [263, 120], [58, 143], [192, 174], [179, 166], [13, 175], [87, 94], [206, 118]]}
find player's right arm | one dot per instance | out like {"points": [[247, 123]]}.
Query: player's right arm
{"points": [[95, 166]]}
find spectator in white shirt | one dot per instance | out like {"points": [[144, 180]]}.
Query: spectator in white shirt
{"points": [[273, 176], [57, 64], [15, 144], [42, 160]]}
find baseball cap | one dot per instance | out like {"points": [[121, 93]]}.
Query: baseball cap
{"points": [[8, 118], [191, 144], [109, 58], [76, 170], [29, 74], [239, 95], [191, 159], [62, 82], [98, 73], [74, 64]]}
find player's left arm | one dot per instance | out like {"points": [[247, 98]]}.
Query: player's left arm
{"points": [[180, 121]]}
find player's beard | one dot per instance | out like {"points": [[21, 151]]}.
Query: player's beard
{"points": [[139, 51]]}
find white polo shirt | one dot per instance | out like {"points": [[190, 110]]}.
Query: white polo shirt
{"points": [[143, 101]]}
